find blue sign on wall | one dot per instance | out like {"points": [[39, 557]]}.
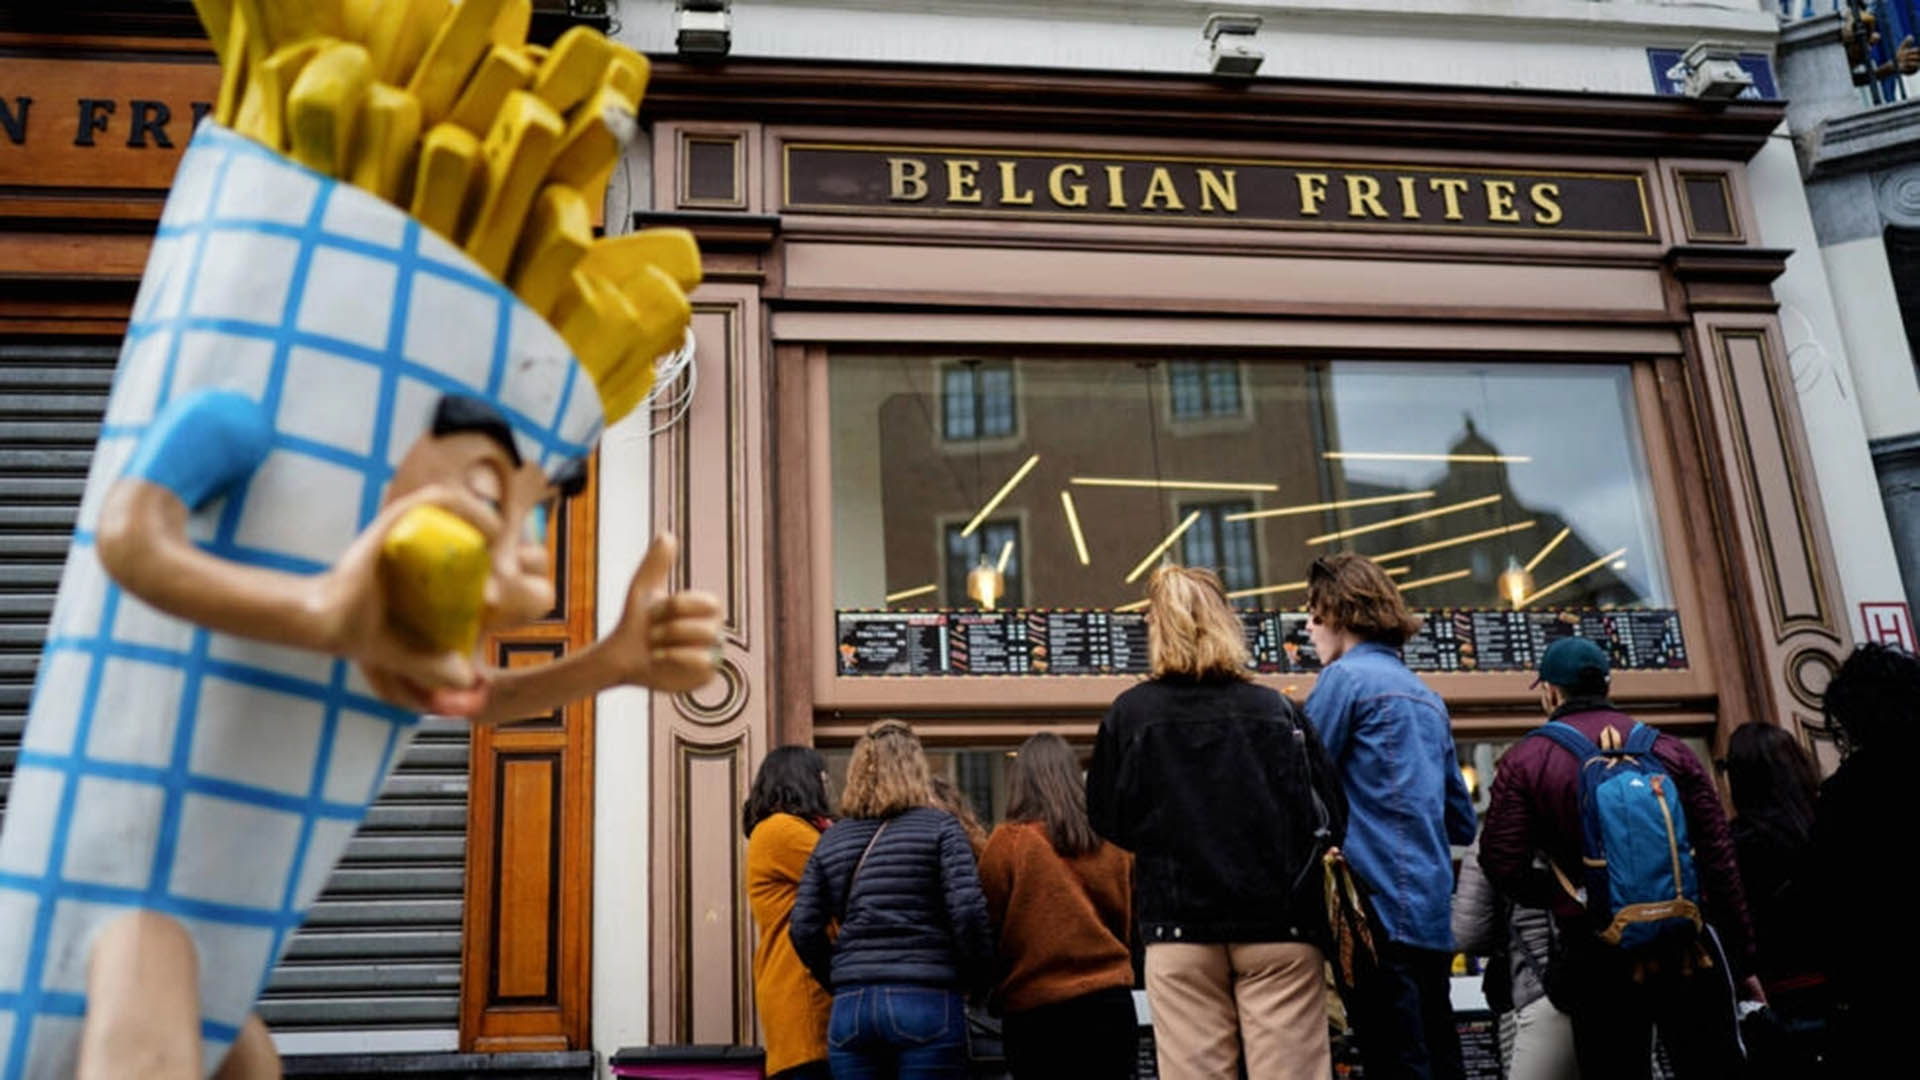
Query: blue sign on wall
{"points": [[1670, 75]]}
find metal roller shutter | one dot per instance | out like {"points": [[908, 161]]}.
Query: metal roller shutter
{"points": [[381, 947]]}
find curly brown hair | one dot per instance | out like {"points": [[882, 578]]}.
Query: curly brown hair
{"points": [[888, 774], [1351, 592], [1192, 629]]}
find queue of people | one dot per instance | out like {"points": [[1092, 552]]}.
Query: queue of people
{"points": [[1242, 856]]}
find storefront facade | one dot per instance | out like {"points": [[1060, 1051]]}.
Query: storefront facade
{"points": [[1037, 331], [1532, 331]]}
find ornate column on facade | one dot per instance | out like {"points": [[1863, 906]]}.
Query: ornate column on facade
{"points": [[1765, 514], [712, 488]]}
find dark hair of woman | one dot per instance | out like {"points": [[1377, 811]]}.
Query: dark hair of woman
{"points": [[1874, 699], [1045, 785], [1773, 782], [792, 780]]}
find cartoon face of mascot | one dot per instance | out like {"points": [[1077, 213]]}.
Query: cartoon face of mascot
{"points": [[226, 683]]}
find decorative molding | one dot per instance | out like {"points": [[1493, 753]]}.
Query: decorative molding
{"points": [[1774, 491], [1808, 672], [684, 196], [1683, 180], [735, 691], [710, 482], [1268, 110], [1897, 193], [1727, 278]]}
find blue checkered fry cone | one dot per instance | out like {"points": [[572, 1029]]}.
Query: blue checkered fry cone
{"points": [[209, 777]]}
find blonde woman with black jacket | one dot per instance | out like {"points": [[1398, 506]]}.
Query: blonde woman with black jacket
{"points": [[1223, 793]]}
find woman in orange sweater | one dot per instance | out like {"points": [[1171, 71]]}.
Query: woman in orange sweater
{"points": [[783, 818], [1061, 903]]}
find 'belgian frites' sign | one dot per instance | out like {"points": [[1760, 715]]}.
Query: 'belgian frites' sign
{"points": [[833, 178]]}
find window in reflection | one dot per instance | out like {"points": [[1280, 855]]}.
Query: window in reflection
{"points": [[1203, 389], [977, 400], [1221, 539], [1480, 485]]}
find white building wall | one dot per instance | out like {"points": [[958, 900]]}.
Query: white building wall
{"points": [[1576, 45], [622, 758]]}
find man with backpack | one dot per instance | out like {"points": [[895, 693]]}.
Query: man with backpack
{"points": [[1638, 870]]}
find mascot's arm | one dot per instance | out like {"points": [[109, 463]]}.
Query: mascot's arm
{"points": [[203, 446], [664, 642]]}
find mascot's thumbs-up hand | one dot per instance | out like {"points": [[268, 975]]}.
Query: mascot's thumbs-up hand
{"points": [[666, 641]]}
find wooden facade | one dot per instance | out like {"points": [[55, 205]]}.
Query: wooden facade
{"points": [[1688, 304]]}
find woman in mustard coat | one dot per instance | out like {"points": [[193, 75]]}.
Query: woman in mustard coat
{"points": [[783, 818]]}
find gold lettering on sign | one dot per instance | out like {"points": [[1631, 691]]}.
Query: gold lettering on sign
{"points": [[1313, 192], [1409, 203], [1211, 188], [1500, 195], [1160, 186], [1363, 197], [1065, 194], [907, 179], [963, 180], [1545, 210], [1451, 190], [1009, 196], [1116, 188]]}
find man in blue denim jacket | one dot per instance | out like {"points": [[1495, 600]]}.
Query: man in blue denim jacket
{"points": [[1390, 740]]}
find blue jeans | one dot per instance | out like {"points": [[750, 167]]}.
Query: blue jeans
{"points": [[897, 1033]]}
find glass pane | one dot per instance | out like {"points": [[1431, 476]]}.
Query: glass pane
{"points": [[1223, 388], [957, 396], [1189, 392], [1200, 546], [1478, 484], [996, 401]]}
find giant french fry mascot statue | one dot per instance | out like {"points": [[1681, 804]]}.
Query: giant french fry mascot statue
{"points": [[375, 341]]}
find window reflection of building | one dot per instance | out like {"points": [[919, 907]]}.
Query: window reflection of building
{"points": [[1203, 389], [977, 400], [1221, 544], [990, 542], [1512, 534], [1452, 510]]}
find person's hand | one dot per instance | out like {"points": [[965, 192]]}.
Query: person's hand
{"points": [[1750, 990], [349, 603], [668, 642]]}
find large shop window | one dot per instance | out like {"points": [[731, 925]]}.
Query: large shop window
{"points": [[1508, 498]]}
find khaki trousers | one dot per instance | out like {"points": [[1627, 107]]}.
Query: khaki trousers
{"points": [[1211, 1003]]}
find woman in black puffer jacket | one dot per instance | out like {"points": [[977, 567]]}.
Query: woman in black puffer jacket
{"points": [[899, 877]]}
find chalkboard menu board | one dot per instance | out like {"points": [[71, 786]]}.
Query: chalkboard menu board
{"points": [[1082, 642]]}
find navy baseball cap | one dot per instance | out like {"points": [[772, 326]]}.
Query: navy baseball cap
{"points": [[1573, 660]]}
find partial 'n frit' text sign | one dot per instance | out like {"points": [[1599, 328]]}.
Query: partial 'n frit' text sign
{"points": [[839, 178], [86, 123]]}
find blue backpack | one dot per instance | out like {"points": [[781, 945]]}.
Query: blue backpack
{"points": [[1640, 878]]}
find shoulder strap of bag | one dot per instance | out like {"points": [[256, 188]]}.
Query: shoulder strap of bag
{"points": [[1640, 739], [846, 902], [1569, 739]]}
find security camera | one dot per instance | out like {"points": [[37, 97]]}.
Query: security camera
{"points": [[1230, 44], [705, 28], [1714, 72]]}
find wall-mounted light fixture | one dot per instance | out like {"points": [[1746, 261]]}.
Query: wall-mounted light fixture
{"points": [[705, 27], [1714, 72], [1230, 44]]}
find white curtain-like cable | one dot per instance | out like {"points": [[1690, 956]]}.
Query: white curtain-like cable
{"points": [[675, 379]]}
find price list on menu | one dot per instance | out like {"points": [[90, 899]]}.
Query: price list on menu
{"points": [[1092, 642], [1045, 642], [882, 643]]}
